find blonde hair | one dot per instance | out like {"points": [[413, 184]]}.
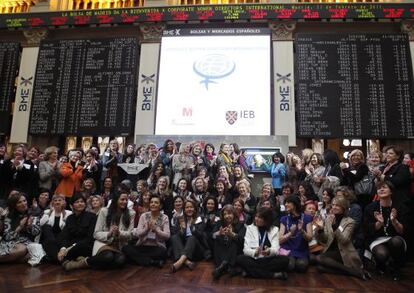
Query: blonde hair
{"points": [[167, 187], [73, 152], [193, 183], [357, 152], [306, 155], [347, 193], [49, 150], [342, 202], [245, 183], [183, 146], [377, 152], [62, 197]]}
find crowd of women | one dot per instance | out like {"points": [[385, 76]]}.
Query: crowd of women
{"points": [[192, 203]]}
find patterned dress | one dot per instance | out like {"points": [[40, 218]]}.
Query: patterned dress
{"points": [[11, 238]]}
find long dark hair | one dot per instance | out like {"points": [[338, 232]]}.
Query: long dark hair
{"points": [[14, 215], [193, 203], [330, 193], [331, 158], [164, 147], [231, 209], [309, 192], [205, 149], [113, 216], [205, 204]]}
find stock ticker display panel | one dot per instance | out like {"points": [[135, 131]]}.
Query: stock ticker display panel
{"points": [[85, 87], [354, 85], [9, 63]]}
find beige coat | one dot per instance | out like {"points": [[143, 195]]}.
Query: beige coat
{"points": [[343, 236], [102, 231]]}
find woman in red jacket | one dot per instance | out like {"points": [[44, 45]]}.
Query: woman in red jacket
{"points": [[71, 173]]}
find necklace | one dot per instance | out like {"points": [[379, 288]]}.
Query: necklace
{"points": [[388, 222]]}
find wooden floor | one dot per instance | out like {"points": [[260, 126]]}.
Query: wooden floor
{"points": [[52, 278]]}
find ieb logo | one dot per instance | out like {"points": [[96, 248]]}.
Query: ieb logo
{"points": [[232, 116]]}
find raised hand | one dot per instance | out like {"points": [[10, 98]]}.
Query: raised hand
{"points": [[331, 219], [23, 222], [319, 222], [393, 215], [34, 203], [378, 216], [30, 221], [222, 231], [293, 229]]}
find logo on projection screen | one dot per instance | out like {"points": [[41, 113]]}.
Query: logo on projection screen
{"points": [[213, 66]]}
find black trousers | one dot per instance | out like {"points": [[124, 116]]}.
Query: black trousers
{"points": [[144, 255], [107, 259], [225, 251], [263, 267], [188, 246], [51, 244]]}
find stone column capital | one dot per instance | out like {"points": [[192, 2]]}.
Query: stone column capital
{"points": [[151, 32], [407, 26], [34, 37], [282, 30]]}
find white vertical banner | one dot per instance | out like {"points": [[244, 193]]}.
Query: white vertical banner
{"points": [[24, 92], [284, 93], [147, 86]]}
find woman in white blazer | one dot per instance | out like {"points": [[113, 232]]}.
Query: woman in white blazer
{"points": [[261, 257], [52, 223]]}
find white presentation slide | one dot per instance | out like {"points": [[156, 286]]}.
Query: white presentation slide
{"points": [[214, 85]]}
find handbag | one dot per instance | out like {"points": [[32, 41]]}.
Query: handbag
{"points": [[364, 186], [36, 253]]}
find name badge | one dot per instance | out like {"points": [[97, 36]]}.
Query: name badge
{"points": [[151, 235], [341, 229]]}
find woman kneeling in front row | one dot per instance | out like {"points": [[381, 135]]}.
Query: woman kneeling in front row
{"points": [[152, 233], [339, 255], [261, 248]]}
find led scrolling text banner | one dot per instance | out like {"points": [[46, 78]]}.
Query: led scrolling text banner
{"points": [[206, 13]]}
